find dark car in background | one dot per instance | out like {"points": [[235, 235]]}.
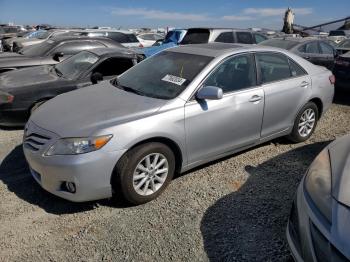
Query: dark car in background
{"points": [[317, 51], [223, 35], [341, 71], [126, 38], [52, 51], [24, 90], [204, 36]]}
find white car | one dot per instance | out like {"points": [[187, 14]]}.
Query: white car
{"points": [[148, 39]]}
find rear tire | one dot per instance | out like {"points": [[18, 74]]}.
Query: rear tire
{"points": [[143, 173], [305, 123]]}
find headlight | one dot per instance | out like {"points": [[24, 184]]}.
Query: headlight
{"points": [[318, 183], [75, 146]]}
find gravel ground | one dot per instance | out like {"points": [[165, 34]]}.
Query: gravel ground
{"points": [[234, 209]]}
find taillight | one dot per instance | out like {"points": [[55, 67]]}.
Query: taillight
{"points": [[6, 98], [140, 45], [341, 62], [332, 79]]}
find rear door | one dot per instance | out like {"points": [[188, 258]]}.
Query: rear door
{"points": [[286, 86], [215, 127], [327, 55], [311, 52]]}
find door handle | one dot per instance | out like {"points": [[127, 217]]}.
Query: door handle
{"points": [[304, 84], [255, 99], [307, 57]]}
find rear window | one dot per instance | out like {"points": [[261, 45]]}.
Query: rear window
{"points": [[280, 43], [196, 36], [337, 33]]}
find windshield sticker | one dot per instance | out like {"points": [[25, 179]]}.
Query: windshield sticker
{"points": [[174, 79]]}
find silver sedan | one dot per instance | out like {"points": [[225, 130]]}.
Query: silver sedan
{"points": [[172, 112], [318, 227]]}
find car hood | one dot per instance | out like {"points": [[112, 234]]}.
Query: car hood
{"points": [[90, 109], [339, 152], [28, 76], [9, 55], [21, 61]]}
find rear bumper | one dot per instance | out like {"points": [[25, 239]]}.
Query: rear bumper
{"points": [[9, 117]]}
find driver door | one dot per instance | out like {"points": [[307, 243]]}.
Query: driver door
{"points": [[215, 127]]}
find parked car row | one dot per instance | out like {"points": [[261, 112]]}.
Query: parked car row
{"points": [[109, 119]]}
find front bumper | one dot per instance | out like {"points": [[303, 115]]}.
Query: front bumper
{"points": [[90, 172], [309, 234]]}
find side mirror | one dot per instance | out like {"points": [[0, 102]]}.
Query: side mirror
{"points": [[57, 56], [96, 77], [209, 92]]}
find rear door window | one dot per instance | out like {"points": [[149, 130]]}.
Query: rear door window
{"points": [[326, 49], [244, 37], [226, 37], [295, 69], [196, 36], [259, 38], [273, 67], [311, 48], [122, 38]]}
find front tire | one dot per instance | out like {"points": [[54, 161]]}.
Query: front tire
{"points": [[144, 172], [305, 123]]}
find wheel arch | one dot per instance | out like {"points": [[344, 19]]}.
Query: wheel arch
{"points": [[319, 104], [179, 156]]}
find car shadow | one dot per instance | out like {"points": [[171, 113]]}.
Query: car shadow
{"points": [[249, 224], [342, 96], [15, 174]]}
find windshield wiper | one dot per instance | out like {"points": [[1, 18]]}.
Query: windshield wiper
{"points": [[58, 72], [131, 90], [126, 88]]}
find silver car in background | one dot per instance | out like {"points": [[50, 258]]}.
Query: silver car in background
{"points": [[318, 227], [172, 112]]}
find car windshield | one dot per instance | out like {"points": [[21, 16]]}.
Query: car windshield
{"points": [[38, 49], [280, 43], [345, 44], [74, 66], [164, 75]]}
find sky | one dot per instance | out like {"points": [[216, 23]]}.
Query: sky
{"points": [[176, 13]]}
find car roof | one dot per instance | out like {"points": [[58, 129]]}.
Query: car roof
{"points": [[107, 30], [117, 51], [65, 38], [221, 28], [211, 49], [222, 49]]}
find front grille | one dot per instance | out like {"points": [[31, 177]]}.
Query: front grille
{"points": [[324, 250], [35, 141]]}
